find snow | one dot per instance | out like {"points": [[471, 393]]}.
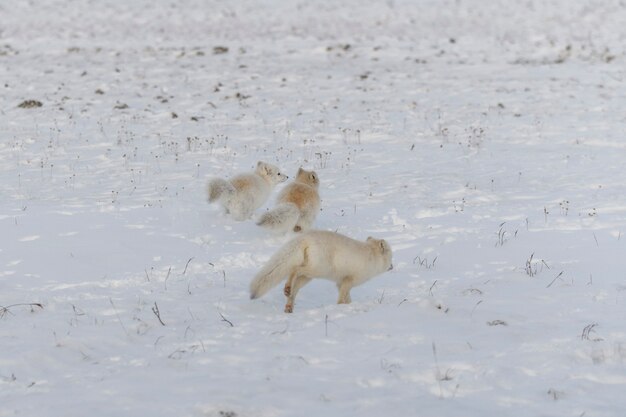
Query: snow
{"points": [[483, 140]]}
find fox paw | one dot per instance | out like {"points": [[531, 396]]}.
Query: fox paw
{"points": [[288, 308], [287, 290]]}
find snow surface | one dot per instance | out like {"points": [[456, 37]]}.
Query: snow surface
{"points": [[484, 140]]}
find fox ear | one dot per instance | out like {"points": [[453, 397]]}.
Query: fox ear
{"points": [[369, 238], [300, 171], [267, 168], [383, 249]]}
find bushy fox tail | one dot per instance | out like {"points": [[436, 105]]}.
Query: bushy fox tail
{"points": [[217, 188], [280, 265], [281, 218]]}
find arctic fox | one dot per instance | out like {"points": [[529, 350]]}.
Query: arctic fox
{"points": [[244, 193], [322, 254], [296, 206]]}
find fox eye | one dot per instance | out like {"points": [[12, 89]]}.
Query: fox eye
{"points": [[382, 246]]}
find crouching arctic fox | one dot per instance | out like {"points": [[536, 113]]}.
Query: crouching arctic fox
{"points": [[297, 205], [322, 254], [243, 194]]}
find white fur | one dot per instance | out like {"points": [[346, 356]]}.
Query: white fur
{"points": [[281, 219], [297, 205], [243, 194], [322, 254]]}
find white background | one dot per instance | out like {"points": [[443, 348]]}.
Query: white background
{"points": [[484, 140]]}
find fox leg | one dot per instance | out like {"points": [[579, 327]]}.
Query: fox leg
{"points": [[289, 284], [240, 206], [298, 283], [304, 222], [344, 288]]}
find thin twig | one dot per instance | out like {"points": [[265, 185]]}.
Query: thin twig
{"points": [[326, 325], [586, 335], [189, 286], [226, 320], [475, 307], [430, 290], [382, 297], [157, 313], [167, 277], [438, 375], [118, 316], [190, 259], [555, 278], [5, 309]]}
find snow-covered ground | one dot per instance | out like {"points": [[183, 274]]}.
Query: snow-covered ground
{"points": [[485, 140]]}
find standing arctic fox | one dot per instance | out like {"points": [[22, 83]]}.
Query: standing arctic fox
{"points": [[244, 193], [296, 206], [322, 254]]}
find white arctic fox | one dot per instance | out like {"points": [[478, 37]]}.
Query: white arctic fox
{"points": [[297, 205], [244, 193], [322, 254]]}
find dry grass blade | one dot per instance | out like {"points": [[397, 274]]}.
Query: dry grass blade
{"points": [[7, 309]]}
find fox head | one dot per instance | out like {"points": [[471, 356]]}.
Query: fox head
{"points": [[308, 177], [270, 172], [382, 249]]}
